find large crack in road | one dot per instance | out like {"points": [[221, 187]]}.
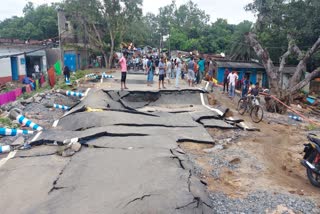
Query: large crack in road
{"points": [[135, 165]]}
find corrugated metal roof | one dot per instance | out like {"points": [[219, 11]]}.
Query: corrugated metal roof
{"points": [[12, 51], [231, 64]]}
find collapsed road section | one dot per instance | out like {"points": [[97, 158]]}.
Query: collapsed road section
{"points": [[130, 161]]}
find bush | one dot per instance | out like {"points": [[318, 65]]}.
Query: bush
{"points": [[7, 123]]}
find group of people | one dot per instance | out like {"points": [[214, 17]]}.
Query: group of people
{"points": [[175, 68], [168, 69], [230, 81]]}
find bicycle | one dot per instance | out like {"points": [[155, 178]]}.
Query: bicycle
{"points": [[251, 104]]}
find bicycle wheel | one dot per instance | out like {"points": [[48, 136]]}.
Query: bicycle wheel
{"points": [[242, 106], [256, 113]]}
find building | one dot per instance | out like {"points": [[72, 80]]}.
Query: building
{"points": [[73, 45], [255, 71], [286, 75], [18, 59]]}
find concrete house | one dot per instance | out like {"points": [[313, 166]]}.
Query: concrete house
{"points": [[74, 47], [18, 59], [254, 70]]}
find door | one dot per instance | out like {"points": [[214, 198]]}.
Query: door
{"points": [[253, 77], [79, 62], [44, 64], [70, 61], [14, 69]]}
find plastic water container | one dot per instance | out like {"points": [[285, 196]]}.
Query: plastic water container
{"points": [[5, 149], [295, 117]]}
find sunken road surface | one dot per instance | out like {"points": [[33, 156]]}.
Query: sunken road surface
{"points": [[130, 161]]}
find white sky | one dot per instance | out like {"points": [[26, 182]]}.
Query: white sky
{"points": [[232, 10]]}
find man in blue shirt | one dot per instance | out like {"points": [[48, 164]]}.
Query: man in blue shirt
{"points": [[191, 76], [150, 71], [201, 65]]}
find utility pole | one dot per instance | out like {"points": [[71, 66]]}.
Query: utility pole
{"points": [[160, 46], [60, 13], [169, 41]]}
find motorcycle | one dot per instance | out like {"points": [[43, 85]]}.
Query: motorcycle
{"points": [[311, 159]]}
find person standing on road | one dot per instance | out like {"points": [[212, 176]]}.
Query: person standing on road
{"points": [[232, 77], [123, 67], [178, 67], [161, 73], [226, 81], [191, 72], [173, 69], [211, 69], [157, 66], [183, 69], [196, 70], [245, 86], [150, 71], [144, 64], [66, 73], [201, 65], [168, 71]]}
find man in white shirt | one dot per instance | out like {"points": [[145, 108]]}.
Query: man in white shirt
{"points": [[179, 66], [168, 70], [145, 61], [232, 78]]}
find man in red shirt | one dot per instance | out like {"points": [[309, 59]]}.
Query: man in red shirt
{"points": [[123, 66]]}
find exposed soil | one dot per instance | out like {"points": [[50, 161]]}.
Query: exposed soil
{"points": [[247, 162]]}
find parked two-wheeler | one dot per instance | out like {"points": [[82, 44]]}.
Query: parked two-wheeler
{"points": [[311, 159]]}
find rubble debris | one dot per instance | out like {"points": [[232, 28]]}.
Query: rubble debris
{"points": [[214, 149], [69, 150], [211, 99]]}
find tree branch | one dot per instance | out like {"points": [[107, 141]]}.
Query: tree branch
{"points": [[283, 59], [97, 33], [266, 60], [302, 64], [304, 82], [292, 48]]}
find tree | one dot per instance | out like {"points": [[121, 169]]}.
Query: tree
{"points": [[185, 24], [38, 23], [89, 21], [239, 49], [287, 18], [105, 20]]}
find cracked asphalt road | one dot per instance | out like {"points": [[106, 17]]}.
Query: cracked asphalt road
{"points": [[130, 161]]}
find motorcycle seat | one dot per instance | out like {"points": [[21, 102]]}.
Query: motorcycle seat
{"points": [[315, 139]]}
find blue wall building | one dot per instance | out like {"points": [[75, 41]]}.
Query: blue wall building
{"points": [[255, 71]]}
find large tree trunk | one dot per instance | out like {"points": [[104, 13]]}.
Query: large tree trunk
{"points": [[294, 81], [263, 54], [274, 75], [105, 56], [111, 49]]}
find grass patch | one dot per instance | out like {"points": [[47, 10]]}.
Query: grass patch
{"points": [[60, 81], [312, 127], [7, 123]]}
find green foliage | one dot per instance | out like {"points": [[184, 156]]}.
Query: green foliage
{"points": [[37, 23], [278, 18], [80, 74], [312, 127], [240, 50], [7, 123], [188, 27]]}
